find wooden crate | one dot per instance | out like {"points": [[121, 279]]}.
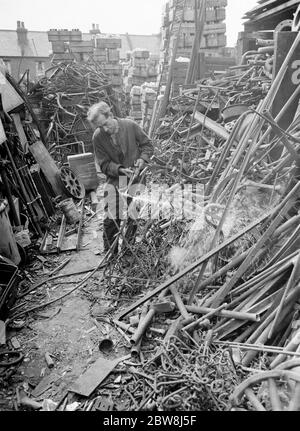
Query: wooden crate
{"points": [[110, 42], [116, 80], [220, 14], [58, 47], [210, 15], [113, 67], [65, 56], [216, 3], [83, 46], [215, 28], [75, 35], [140, 53], [113, 55]]}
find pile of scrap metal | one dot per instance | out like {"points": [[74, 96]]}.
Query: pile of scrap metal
{"points": [[62, 99], [190, 137], [235, 285], [32, 188], [218, 290], [24, 203]]}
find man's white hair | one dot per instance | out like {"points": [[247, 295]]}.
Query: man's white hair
{"points": [[98, 108]]}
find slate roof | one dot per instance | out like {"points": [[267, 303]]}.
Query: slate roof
{"points": [[39, 46]]}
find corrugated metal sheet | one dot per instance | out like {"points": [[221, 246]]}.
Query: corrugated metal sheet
{"points": [[270, 7]]}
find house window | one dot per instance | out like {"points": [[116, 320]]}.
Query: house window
{"points": [[7, 64], [40, 68]]}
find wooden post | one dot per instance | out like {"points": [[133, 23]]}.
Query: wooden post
{"points": [[48, 166]]}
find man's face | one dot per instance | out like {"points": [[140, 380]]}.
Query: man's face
{"points": [[107, 122]]}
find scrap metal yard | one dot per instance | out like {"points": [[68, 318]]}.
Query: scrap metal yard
{"points": [[194, 304]]}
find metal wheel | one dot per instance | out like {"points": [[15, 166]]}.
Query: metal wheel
{"points": [[285, 25], [71, 183], [276, 390]]}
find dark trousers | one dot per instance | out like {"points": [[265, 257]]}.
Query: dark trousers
{"points": [[112, 221]]}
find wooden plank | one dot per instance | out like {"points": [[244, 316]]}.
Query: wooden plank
{"points": [[20, 130], [47, 165], [2, 333], [45, 384], [10, 98], [95, 375], [212, 125], [2, 133]]}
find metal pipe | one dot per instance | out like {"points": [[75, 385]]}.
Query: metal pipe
{"points": [[193, 266], [135, 350], [291, 283], [179, 302], [211, 313], [124, 326], [61, 233], [24, 192], [80, 226], [291, 346], [283, 207], [251, 317], [142, 326]]}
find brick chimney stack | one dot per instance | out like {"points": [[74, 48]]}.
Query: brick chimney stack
{"points": [[95, 29], [22, 34]]}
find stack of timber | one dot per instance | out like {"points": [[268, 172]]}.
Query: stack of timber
{"points": [[142, 67], [63, 40], [213, 36], [149, 92], [140, 75], [136, 103], [107, 52]]}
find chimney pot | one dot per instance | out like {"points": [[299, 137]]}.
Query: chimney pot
{"points": [[22, 33]]}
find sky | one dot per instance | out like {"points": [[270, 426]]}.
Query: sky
{"points": [[113, 16]]}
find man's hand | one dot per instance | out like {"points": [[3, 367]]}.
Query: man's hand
{"points": [[140, 163], [126, 171]]}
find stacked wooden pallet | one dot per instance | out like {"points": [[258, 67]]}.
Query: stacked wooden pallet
{"points": [[62, 41], [136, 103], [142, 67], [214, 31], [149, 92], [107, 52], [179, 41], [179, 73], [139, 72]]}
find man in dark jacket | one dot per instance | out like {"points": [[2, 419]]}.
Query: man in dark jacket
{"points": [[119, 145]]}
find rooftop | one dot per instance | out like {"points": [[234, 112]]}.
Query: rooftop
{"points": [[39, 46]]}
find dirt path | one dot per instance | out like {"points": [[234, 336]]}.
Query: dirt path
{"points": [[67, 329]]}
